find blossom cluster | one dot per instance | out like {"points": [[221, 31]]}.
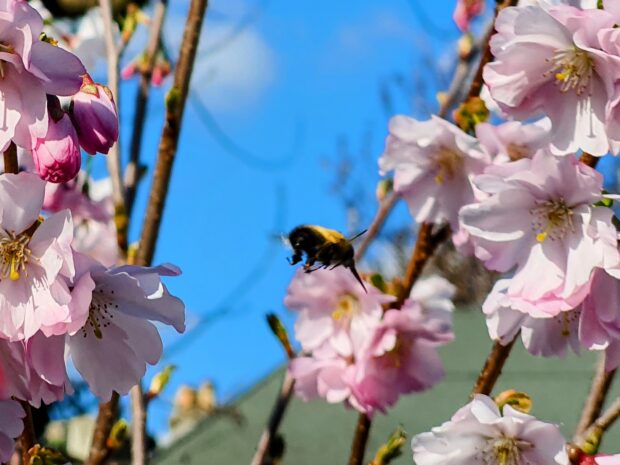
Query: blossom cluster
{"points": [[35, 73], [523, 197], [359, 351], [63, 298], [513, 198], [57, 304]]}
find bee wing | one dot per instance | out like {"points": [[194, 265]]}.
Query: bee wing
{"points": [[284, 238]]}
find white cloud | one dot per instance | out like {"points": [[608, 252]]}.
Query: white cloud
{"points": [[233, 69]]}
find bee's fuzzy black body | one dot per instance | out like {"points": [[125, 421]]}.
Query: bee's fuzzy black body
{"points": [[322, 246]]}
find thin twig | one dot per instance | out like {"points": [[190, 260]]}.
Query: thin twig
{"points": [[113, 158], [609, 417], [108, 413], [175, 104], [385, 207], [138, 401], [133, 167], [360, 439], [601, 383], [603, 423], [28, 438], [492, 368], [138, 425], [282, 401], [463, 70], [425, 246]]}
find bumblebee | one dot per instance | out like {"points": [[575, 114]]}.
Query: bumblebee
{"points": [[323, 248]]}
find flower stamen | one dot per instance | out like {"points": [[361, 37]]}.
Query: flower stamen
{"points": [[572, 69], [552, 219], [346, 308], [448, 163], [14, 255], [505, 451], [99, 313]]}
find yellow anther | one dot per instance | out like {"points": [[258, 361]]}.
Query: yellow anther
{"points": [[14, 274], [540, 237]]}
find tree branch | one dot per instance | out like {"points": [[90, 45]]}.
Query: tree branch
{"points": [[108, 413], [282, 401], [113, 158], [28, 438], [133, 168], [425, 247], [138, 425], [360, 439], [175, 104], [385, 208], [609, 417], [601, 383], [492, 368]]}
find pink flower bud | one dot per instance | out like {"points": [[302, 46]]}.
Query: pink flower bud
{"points": [[129, 71], [57, 156], [465, 11], [94, 116]]}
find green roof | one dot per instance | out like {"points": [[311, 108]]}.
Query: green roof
{"points": [[320, 433]]}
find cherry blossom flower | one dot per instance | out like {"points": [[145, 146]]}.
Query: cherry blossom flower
{"points": [[45, 369], [86, 198], [31, 68], [401, 357], [513, 140], [11, 426], [539, 220], [548, 326], [599, 327], [112, 348], [397, 355], [333, 307], [36, 259], [590, 319], [479, 434], [550, 61], [465, 11], [433, 162], [326, 374], [90, 203]]}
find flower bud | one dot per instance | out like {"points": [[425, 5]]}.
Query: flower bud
{"points": [[94, 114], [57, 156]]}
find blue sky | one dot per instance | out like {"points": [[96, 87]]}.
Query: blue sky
{"points": [[280, 96], [301, 77]]}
